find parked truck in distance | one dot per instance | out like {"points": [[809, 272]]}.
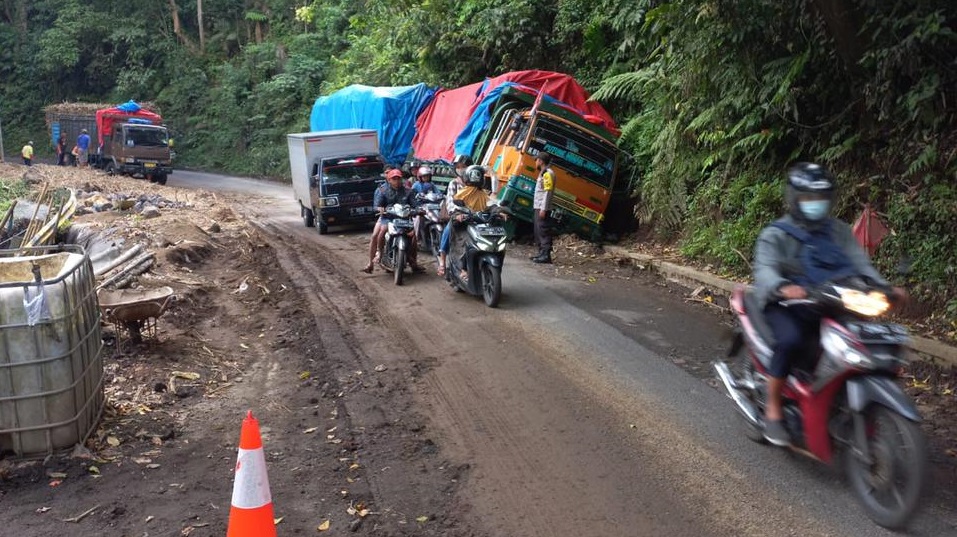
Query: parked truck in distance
{"points": [[334, 176], [124, 140]]}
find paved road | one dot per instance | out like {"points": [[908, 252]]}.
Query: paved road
{"points": [[570, 406]]}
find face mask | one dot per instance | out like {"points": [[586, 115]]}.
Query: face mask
{"points": [[814, 210]]}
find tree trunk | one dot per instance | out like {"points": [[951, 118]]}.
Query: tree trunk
{"points": [[843, 24], [199, 19], [259, 32], [178, 28]]}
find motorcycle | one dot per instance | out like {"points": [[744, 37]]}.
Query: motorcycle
{"points": [[398, 240], [848, 403], [430, 225], [479, 251]]}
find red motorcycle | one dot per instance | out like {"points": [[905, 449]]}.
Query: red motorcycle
{"points": [[844, 399]]}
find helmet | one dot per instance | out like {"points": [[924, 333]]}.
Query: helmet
{"points": [[463, 160], [394, 172], [807, 178], [83, 131], [474, 175], [425, 170]]}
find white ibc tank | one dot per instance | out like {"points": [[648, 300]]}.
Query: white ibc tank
{"points": [[51, 366]]}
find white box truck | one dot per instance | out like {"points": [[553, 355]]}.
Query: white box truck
{"points": [[334, 175]]}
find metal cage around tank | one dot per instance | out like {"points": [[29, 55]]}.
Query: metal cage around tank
{"points": [[51, 366]]}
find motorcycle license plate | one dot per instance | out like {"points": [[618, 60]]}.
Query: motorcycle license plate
{"points": [[492, 231], [879, 332]]}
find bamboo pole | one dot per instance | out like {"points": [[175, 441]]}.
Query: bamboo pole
{"points": [[124, 257], [9, 215], [31, 227]]}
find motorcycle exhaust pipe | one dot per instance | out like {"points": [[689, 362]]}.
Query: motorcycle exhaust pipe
{"points": [[733, 391]]}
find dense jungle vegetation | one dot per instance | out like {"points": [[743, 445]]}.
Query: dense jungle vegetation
{"points": [[715, 97]]}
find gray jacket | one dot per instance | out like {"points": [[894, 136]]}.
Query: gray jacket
{"points": [[777, 256]]}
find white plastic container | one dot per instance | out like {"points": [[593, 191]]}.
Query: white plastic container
{"points": [[51, 367]]}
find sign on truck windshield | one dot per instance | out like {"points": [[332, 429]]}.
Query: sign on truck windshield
{"points": [[351, 169], [574, 150], [138, 136]]}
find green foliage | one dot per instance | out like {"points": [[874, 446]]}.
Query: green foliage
{"points": [[714, 97]]}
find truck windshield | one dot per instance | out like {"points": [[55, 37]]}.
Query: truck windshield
{"points": [[146, 137], [574, 150], [351, 169]]}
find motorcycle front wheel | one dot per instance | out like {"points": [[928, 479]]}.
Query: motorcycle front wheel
{"points": [[491, 285], [399, 266], [890, 484]]}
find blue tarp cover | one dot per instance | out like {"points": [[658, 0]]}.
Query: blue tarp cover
{"points": [[391, 111]]}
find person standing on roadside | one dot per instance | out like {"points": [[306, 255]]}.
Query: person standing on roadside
{"points": [[83, 145], [27, 154], [61, 150], [542, 208]]}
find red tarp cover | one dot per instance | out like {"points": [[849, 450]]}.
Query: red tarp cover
{"points": [[443, 120], [106, 117]]}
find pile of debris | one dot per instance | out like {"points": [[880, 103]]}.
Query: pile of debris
{"points": [[93, 200]]}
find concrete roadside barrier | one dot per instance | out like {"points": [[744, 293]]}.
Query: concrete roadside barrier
{"points": [[947, 354]]}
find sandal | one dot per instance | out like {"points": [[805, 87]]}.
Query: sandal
{"points": [[368, 269], [464, 276], [440, 271]]}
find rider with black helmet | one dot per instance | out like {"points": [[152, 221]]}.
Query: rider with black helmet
{"points": [[783, 270], [474, 198]]}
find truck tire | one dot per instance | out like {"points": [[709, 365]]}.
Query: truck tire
{"points": [[323, 228], [308, 217], [161, 179], [110, 168]]}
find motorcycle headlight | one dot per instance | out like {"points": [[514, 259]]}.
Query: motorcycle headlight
{"points": [[869, 304], [837, 345]]}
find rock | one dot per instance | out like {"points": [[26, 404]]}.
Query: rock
{"points": [[215, 228], [150, 211], [185, 391], [100, 207]]}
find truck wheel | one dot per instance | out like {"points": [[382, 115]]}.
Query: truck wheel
{"points": [[323, 228], [110, 168], [161, 179], [308, 217]]}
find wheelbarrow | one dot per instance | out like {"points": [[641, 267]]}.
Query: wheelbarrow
{"points": [[134, 310]]}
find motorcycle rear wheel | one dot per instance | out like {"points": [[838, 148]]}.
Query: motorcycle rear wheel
{"points": [[890, 486], [399, 266]]}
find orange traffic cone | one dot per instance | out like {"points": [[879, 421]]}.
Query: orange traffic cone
{"points": [[251, 514]]}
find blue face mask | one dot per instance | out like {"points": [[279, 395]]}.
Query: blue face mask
{"points": [[814, 210]]}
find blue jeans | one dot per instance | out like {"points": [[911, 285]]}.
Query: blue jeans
{"points": [[446, 241], [796, 332]]}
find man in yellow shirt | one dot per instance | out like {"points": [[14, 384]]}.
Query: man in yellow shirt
{"points": [[27, 154]]}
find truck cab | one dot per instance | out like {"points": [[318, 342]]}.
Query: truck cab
{"points": [[343, 189], [137, 149]]}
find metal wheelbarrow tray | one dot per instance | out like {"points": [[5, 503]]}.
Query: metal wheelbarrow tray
{"points": [[135, 309]]}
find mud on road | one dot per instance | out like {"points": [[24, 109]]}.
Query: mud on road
{"points": [[337, 426], [357, 414]]}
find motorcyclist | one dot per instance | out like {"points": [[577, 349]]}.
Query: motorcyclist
{"points": [[474, 198], [390, 193], [425, 185], [804, 248], [461, 162]]}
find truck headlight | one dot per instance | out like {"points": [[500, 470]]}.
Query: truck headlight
{"points": [[130, 160], [331, 201]]}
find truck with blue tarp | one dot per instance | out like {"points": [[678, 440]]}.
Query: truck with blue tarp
{"points": [[127, 139]]}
